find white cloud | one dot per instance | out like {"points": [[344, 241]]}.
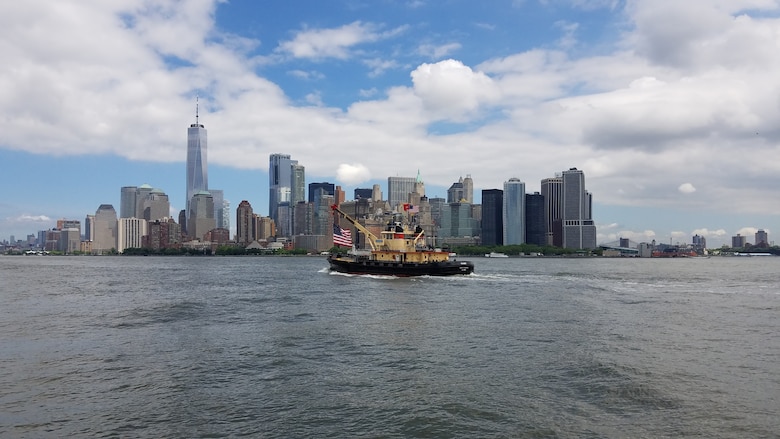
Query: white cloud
{"points": [[378, 66], [710, 233], [686, 188], [451, 90], [352, 174], [437, 52], [25, 218], [334, 43]]}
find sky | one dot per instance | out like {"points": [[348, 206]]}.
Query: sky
{"points": [[670, 108]]}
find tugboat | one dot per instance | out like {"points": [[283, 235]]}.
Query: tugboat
{"points": [[396, 253]]}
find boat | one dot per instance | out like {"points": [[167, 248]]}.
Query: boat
{"points": [[398, 251], [495, 255]]}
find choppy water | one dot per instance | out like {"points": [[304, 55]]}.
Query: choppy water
{"points": [[279, 348]]}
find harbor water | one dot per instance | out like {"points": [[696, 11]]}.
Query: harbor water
{"points": [[278, 347]]}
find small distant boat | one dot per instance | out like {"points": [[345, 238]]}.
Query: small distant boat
{"points": [[495, 255]]}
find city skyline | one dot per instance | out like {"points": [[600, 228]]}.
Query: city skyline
{"points": [[669, 107]]}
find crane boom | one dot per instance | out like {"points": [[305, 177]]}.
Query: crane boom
{"points": [[370, 236]]}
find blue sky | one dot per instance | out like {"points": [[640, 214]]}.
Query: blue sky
{"points": [[670, 108]]}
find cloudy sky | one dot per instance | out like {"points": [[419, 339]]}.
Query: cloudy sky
{"points": [[671, 108]]}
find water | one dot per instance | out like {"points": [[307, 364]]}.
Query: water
{"points": [[279, 348]]}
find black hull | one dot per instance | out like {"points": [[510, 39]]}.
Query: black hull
{"points": [[448, 268]]}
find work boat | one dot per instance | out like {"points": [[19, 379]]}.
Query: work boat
{"points": [[396, 253]]}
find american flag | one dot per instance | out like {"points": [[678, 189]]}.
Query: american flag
{"points": [[342, 236]]}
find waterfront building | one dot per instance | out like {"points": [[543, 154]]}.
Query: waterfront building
{"points": [[303, 218], [457, 222], [130, 233], [163, 233], [105, 229], [535, 232], [69, 240], [297, 183], [245, 227], [513, 212], [127, 201], [89, 227], [141, 194], [398, 190], [437, 207], [762, 238], [699, 242], [738, 241], [265, 227], [280, 187], [221, 209], [323, 216], [154, 205], [197, 162], [552, 192], [579, 231], [492, 217], [201, 219], [321, 196]]}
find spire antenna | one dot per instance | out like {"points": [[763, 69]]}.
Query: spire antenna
{"points": [[196, 109]]}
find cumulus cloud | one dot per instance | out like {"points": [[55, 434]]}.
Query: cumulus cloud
{"points": [[686, 188], [355, 173], [450, 89]]}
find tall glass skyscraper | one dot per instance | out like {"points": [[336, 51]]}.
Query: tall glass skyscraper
{"points": [[197, 162], [514, 212], [127, 203], [492, 217], [280, 185]]}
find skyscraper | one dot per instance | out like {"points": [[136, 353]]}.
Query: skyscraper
{"points": [[280, 187], [398, 190], [534, 219], [579, 231], [197, 161], [105, 228], [514, 212], [245, 230], [321, 196], [298, 183], [492, 217], [221, 209], [154, 206], [468, 189], [141, 194], [762, 238], [553, 203], [201, 220], [455, 193], [127, 203]]}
